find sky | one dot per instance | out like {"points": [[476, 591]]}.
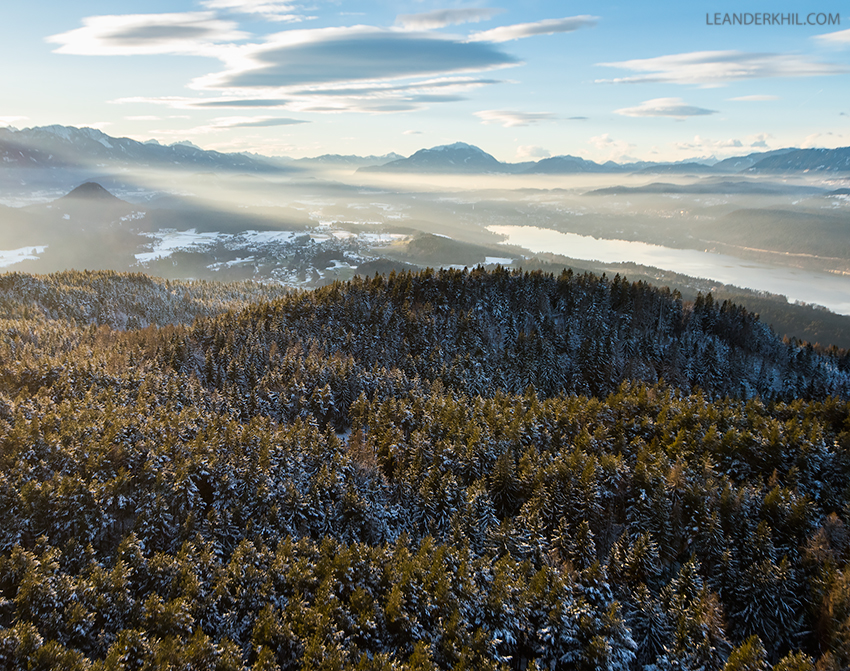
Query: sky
{"points": [[603, 80]]}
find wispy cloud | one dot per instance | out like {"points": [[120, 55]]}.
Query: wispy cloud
{"points": [[668, 107], [384, 89], [359, 53], [325, 70], [445, 17], [260, 123], [175, 102], [236, 103], [731, 146], [754, 98], [613, 149], [268, 9], [326, 101], [9, 120], [545, 27], [715, 68], [841, 37], [826, 139], [374, 97], [510, 119], [129, 34], [412, 132], [529, 152], [227, 123], [705, 145]]}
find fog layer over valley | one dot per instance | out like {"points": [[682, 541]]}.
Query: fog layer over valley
{"points": [[307, 223]]}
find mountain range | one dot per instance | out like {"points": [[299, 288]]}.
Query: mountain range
{"points": [[66, 147], [465, 158], [806, 160], [69, 147], [344, 160]]}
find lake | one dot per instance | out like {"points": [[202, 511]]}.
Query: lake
{"points": [[830, 290]]}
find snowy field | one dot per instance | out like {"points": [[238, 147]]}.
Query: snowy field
{"points": [[167, 241], [13, 256]]}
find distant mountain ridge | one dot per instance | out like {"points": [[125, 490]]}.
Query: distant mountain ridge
{"points": [[53, 147], [569, 164], [713, 185], [347, 160], [459, 157], [806, 160], [68, 147], [463, 158], [739, 163], [689, 166]]}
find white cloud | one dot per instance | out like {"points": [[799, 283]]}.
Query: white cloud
{"points": [[268, 9], [613, 149], [827, 139], [529, 152], [715, 68], [811, 141], [130, 34], [510, 119], [604, 141], [332, 56], [257, 122], [9, 120], [545, 27], [257, 144], [728, 147], [434, 87], [841, 37], [668, 107], [224, 102], [759, 141], [372, 97], [445, 17], [306, 102], [365, 106], [176, 102], [326, 70], [227, 123], [412, 132], [706, 146], [754, 98]]}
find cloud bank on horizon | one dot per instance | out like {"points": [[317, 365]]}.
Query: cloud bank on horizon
{"points": [[500, 77]]}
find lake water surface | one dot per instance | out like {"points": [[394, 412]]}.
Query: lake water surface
{"points": [[831, 291]]}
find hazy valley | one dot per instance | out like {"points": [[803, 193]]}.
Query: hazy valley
{"points": [[745, 228]]}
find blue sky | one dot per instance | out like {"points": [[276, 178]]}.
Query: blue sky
{"points": [[601, 80]]}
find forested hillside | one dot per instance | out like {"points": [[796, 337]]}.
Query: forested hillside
{"points": [[122, 300], [449, 469]]}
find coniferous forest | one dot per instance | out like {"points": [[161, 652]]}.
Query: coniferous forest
{"points": [[450, 469]]}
